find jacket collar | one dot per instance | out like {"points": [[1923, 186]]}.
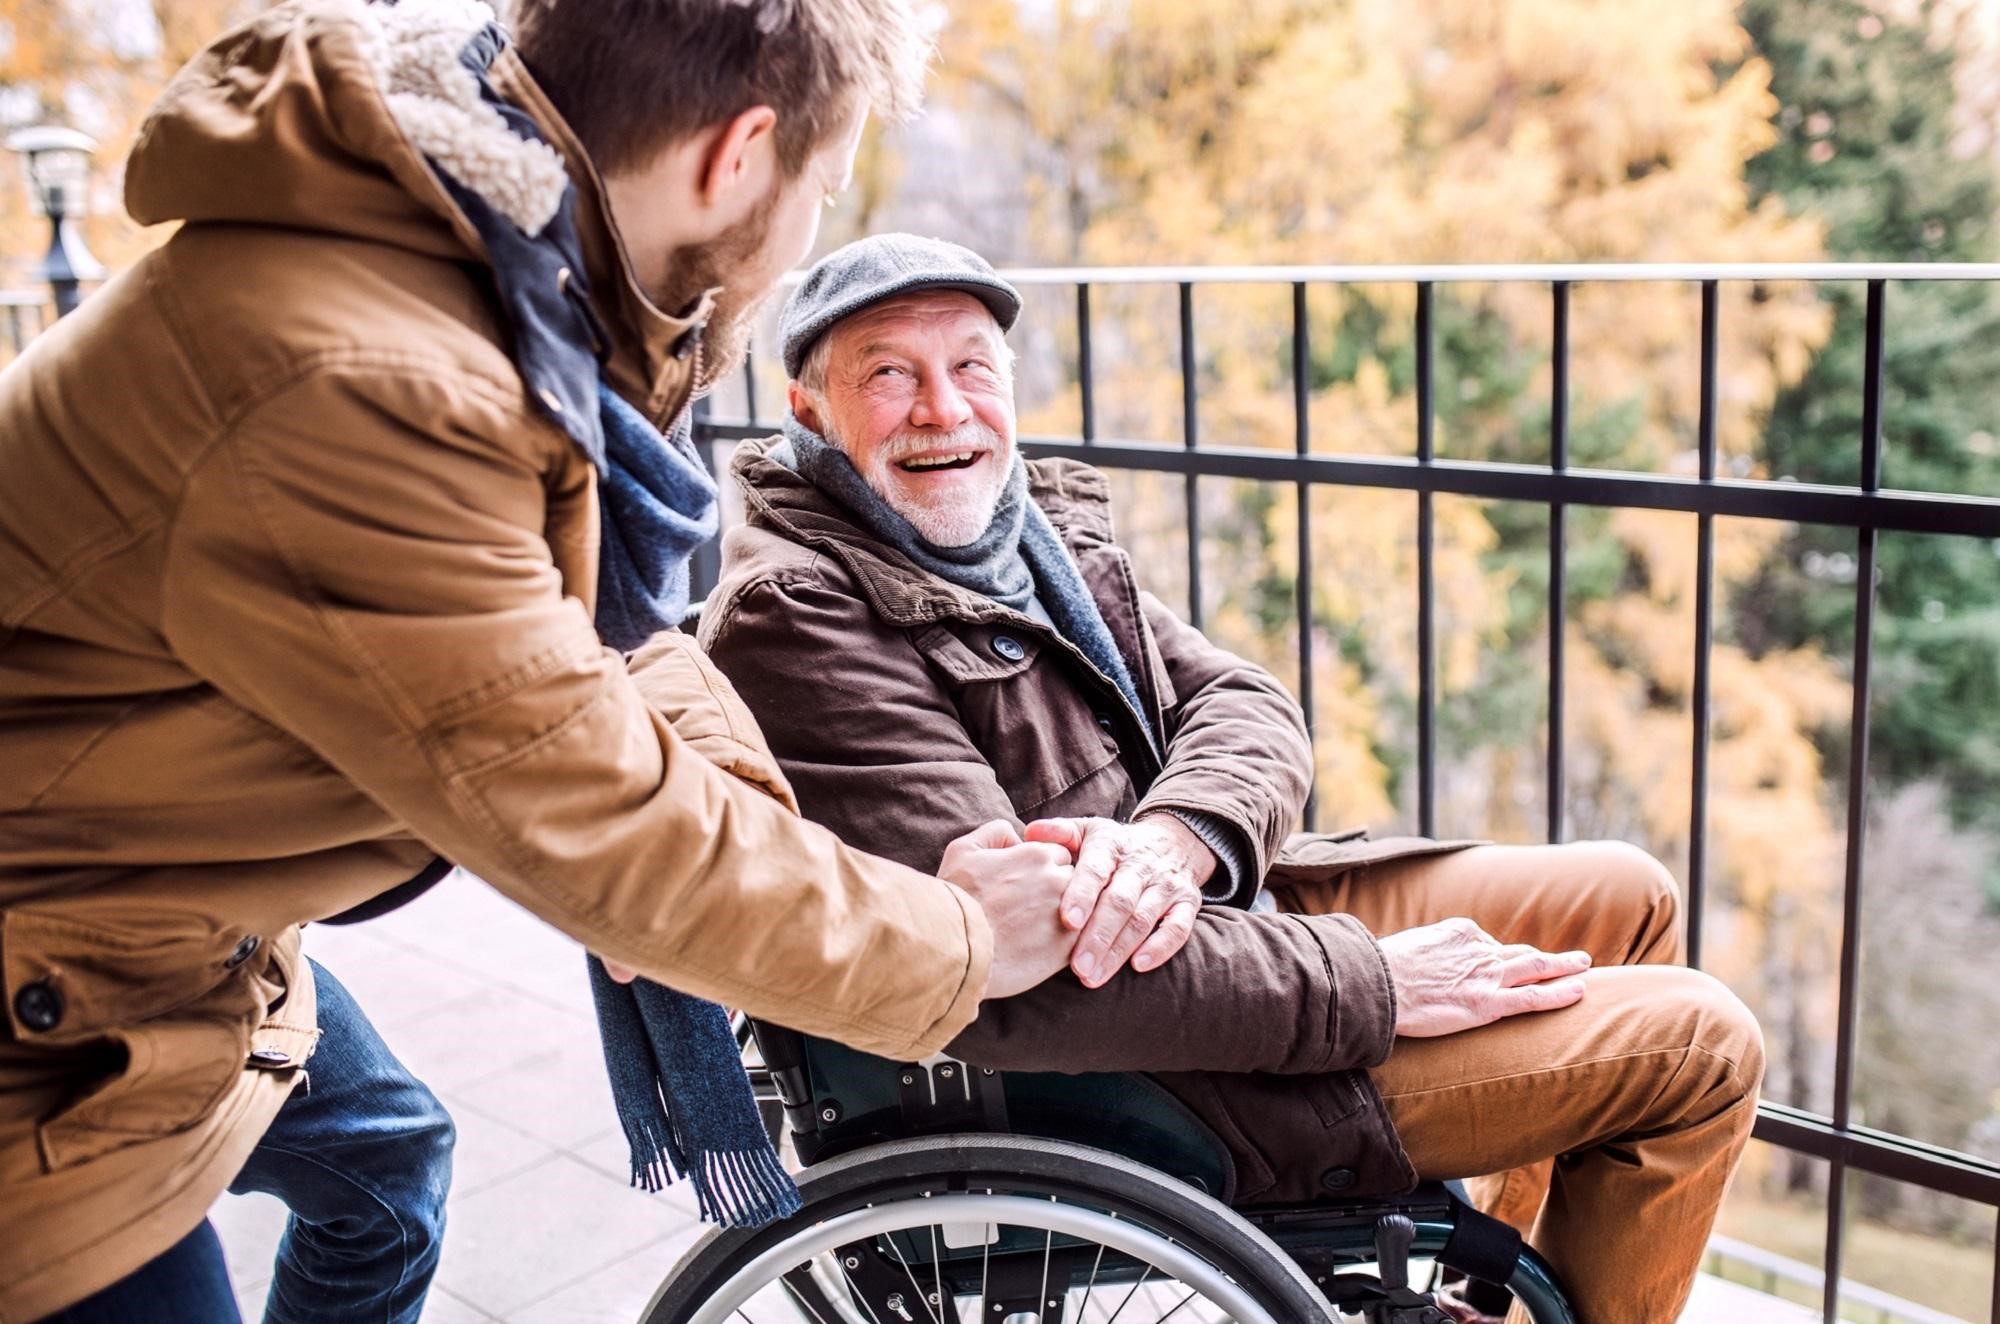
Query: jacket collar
{"points": [[1074, 497]]}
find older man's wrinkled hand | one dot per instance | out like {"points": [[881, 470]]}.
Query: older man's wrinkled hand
{"points": [[1135, 892], [1453, 976]]}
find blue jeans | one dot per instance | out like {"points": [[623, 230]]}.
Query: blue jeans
{"points": [[361, 1153]]}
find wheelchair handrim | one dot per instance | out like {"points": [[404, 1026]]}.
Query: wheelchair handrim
{"points": [[1189, 1269]]}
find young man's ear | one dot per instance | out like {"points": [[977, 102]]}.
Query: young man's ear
{"points": [[743, 152]]}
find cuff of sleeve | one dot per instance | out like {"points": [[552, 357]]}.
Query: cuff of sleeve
{"points": [[964, 1007], [1366, 1023], [1231, 884]]}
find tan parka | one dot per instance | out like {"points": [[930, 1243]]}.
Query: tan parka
{"points": [[295, 594]]}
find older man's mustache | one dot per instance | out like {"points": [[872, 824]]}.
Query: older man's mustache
{"points": [[970, 440]]}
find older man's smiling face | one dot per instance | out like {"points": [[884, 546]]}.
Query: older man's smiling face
{"points": [[919, 393]]}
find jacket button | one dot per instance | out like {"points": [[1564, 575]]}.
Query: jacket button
{"points": [[1337, 1179], [38, 1006], [1008, 647], [1104, 721], [270, 1058], [243, 952]]}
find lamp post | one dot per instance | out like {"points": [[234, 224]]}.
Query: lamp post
{"points": [[57, 161]]}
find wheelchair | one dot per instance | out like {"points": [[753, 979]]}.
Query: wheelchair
{"points": [[937, 1192]]}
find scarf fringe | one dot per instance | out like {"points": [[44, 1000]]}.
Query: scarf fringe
{"points": [[744, 1188]]}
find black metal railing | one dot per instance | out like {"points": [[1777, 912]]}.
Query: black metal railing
{"points": [[1866, 507]]}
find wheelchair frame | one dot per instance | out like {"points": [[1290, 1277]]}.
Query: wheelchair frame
{"points": [[840, 1103]]}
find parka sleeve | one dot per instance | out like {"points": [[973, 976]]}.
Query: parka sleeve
{"points": [[361, 563], [1236, 743], [870, 742]]}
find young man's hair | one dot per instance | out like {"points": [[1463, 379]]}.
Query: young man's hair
{"points": [[633, 77]]}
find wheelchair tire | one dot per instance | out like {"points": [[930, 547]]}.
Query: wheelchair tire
{"points": [[905, 1181]]}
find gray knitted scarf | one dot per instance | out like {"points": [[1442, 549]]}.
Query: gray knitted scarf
{"points": [[1020, 556]]}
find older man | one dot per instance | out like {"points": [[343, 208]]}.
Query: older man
{"points": [[934, 634]]}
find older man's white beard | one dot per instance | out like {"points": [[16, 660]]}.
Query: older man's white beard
{"points": [[961, 520]]}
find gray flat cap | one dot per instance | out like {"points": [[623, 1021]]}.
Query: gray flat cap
{"points": [[880, 267]]}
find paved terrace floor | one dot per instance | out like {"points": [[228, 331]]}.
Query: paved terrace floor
{"points": [[491, 1008]]}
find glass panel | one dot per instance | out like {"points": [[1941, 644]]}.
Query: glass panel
{"points": [[1150, 517], [1365, 658], [1243, 344], [1249, 572], [1492, 650], [1363, 372], [1810, 430], [1931, 901], [1940, 416], [1908, 1250], [1769, 1240], [1782, 698], [1135, 343]]}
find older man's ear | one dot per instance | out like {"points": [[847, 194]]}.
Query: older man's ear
{"points": [[802, 407]]}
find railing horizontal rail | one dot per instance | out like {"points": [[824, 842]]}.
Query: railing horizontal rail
{"points": [[1896, 1157], [1514, 273], [1805, 503]]}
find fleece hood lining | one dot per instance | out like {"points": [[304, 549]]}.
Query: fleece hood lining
{"points": [[413, 49]]}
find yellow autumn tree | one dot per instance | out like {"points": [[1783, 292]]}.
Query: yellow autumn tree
{"points": [[1377, 131]]}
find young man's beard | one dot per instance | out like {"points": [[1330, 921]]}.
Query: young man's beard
{"points": [[698, 268]]}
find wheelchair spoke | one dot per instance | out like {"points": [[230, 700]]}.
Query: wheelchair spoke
{"points": [[1177, 1309], [854, 1293], [911, 1275], [1129, 1295], [1048, 1243], [798, 1298], [937, 1270]]}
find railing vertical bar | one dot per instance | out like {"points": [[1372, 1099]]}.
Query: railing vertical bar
{"points": [[1558, 548], [1085, 382], [750, 386], [1190, 437], [1994, 1314], [1704, 625], [1302, 436], [1426, 568], [1847, 1028]]}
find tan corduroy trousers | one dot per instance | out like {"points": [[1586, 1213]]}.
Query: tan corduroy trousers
{"points": [[1614, 1124]]}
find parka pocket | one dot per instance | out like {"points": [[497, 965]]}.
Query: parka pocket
{"points": [[166, 1076], [147, 1012]]}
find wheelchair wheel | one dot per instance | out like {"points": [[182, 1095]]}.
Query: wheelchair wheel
{"points": [[995, 1228]]}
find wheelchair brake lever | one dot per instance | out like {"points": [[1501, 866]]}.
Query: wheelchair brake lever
{"points": [[1394, 1235]]}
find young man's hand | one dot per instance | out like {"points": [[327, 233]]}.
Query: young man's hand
{"points": [[1018, 885], [1135, 892], [1453, 976]]}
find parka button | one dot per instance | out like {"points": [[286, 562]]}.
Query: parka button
{"points": [[1104, 721], [244, 951], [1008, 647], [270, 1058], [1337, 1179], [38, 1006]]}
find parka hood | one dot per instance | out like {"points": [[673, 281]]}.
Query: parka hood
{"points": [[305, 118], [319, 115]]}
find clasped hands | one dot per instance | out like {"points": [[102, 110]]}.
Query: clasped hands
{"points": [[1131, 892]]}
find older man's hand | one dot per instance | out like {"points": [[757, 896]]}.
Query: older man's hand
{"points": [[1135, 891], [1453, 975]]}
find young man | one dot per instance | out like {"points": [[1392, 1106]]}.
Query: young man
{"points": [[935, 635], [303, 520]]}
